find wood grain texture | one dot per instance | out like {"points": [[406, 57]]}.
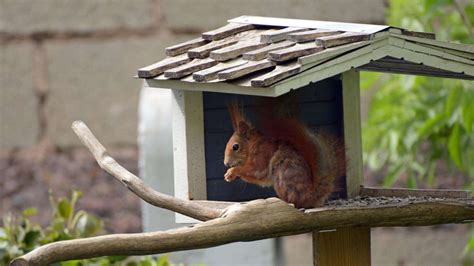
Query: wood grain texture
{"points": [[340, 39], [259, 219], [279, 35], [136, 184], [182, 48], [243, 70], [205, 50], [419, 34], [236, 50], [342, 247], [280, 72], [310, 35], [262, 53], [320, 56], [211, 73], [406, 192], [294, 52], [225, 31], [163, 65], [189, 68], [348, 246]]}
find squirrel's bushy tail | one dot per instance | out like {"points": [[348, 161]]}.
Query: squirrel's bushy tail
{"points": [[323, 153], [311, 160], [332, 163]]}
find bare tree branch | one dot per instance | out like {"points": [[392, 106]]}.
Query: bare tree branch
{"points": [[258, 219], [136, 185]]}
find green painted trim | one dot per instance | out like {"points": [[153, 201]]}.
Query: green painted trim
{"points": [[450, 45], [352, 131], [224, 87], [428, 50]]}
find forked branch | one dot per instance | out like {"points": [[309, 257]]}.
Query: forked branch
{"points": [[136, 185], [258, 219]]}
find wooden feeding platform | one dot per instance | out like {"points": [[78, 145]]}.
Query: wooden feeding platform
{"points": [[254, 57]]}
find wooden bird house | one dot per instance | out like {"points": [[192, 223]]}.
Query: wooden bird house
{"points": [[255, 57]]}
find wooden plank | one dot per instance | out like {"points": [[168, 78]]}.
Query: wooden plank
{"points": [[193, 66], [226, 31], [347, 246], [406, 192], [412, 69], [333, 67], [163, 65], [466, 55], [467, 48], [342, 247], [330, 52], [184, 47], [419, 34], [228, 87], [294, 52], [188, 144], [279, 35], [432, 61], [405, 44], [311, 35], [352, 131], [211, 73], [236, 50], [340, 39], [280, 72], [262, 53], [243, 70], [205, 50], [314, 24]]}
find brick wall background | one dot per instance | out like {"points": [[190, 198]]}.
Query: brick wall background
{"points": [[64, 60]]}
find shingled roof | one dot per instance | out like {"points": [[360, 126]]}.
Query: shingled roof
{"points": [[270, 56]]}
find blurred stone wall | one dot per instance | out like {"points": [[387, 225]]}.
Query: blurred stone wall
{"points": [[63, 60]]}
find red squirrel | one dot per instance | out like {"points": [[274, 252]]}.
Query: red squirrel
{"points": [[285, 154]]}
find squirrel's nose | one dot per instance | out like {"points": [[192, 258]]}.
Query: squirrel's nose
{"points": [[227, 164]]}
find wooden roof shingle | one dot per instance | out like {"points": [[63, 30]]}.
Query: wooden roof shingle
{"points": [[271, 53]]}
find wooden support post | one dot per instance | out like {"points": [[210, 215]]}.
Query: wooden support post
{"points": [[347, 246], [188, 145]]}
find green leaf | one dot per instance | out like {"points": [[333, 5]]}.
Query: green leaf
{"points": [[163, 260], [30, 211], [65, 208], [392, 175], [411, 182], [429, 125], [31, 238], [467, 112], [453, 100], [71, 263], [454, 145], [86, 224]]}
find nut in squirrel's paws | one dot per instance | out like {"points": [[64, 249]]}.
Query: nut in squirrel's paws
{"points": [[229, 175]]}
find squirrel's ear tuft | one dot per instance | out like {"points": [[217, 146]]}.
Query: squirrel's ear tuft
{"points": [[236, 114], [243, 128]]}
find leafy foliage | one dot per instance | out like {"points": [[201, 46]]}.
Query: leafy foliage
{"points": [[19, 235], [422, 127]]}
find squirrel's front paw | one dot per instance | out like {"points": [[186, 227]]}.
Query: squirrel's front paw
{"points": [[230, 175]]}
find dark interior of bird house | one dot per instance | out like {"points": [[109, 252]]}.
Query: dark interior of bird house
{"points": [[318, 105]]}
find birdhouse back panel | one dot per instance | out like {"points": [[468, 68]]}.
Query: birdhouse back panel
{"points": [[319, 105]]}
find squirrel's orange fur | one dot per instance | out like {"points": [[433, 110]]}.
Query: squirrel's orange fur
{"points": [[300, 165]]}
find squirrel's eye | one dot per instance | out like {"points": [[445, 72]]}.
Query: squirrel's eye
{"points": [[235, 146]]}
